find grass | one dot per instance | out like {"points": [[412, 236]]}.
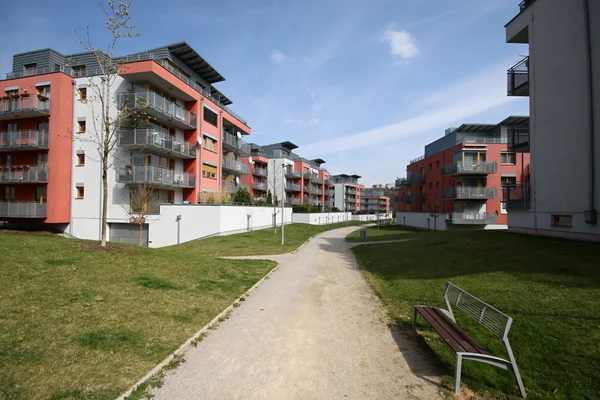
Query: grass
{"points": [[81, 323], [375, 234], [551, 287]]}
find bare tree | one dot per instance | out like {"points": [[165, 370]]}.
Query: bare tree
{"points": [[104, 132], [140, 204], [435, 210]]}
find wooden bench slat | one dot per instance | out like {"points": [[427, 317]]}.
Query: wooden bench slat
{"points": [[450, 332]]}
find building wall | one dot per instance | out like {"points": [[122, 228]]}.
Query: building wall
{"points": [[560, 140], [321, 218]]}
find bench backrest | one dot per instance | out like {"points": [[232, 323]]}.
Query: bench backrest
{"points": [[494, 320]]}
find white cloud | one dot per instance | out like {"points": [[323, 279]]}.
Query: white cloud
{"points": [[480, 92], [278, 57], [314, 121], [402, 43]]}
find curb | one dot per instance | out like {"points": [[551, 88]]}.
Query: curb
{"points": [[302, 245], [183, 348]]}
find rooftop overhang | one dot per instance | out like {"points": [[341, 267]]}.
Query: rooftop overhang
{"points": [[517, 30], [516, 120], [318, 161], [220, 97], [288, 145], [475, 128], [194, 61], [356, 176]]}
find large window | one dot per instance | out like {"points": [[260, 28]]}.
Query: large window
{"points": [[40, 194], [210, 117], [30, 69], [209, 144], [209, 171], [8, 194], [508, 158], [78, 71]]}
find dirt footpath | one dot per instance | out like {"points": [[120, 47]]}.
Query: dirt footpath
{"points": [[314, 330]]}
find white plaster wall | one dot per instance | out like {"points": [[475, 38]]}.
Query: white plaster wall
{"points": [[198, 221], [320, 218], [419, 220], [370, 217]]}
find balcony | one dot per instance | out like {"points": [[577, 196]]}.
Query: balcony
{"points": [[350, 191], [258, 171], [469, 193], [23, 140], [518, 139], [294, 201], [401, 182], [235, 144], [24, 107], [411, 198], [155, 176], [470, 168], [235, 167], [14, 209], [155, 105], [467, 218], [328, 182], [516, 197], [292, 173], [156, 142], [415, 178], [259, 186], [518, 78], [316, 180], [310, 176], [233, 187], [292, 187], [23, 174]]}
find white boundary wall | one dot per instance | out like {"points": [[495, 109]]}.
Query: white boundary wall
{"points": [[199, 221], [370, 217], [420, 220], [320, 218]]}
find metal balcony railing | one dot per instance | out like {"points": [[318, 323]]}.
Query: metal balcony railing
{"points": [[470, 193], [233, 143], [351, 191], [237, 167], [259, 186], [317, 180], [516, 197], [415, 178], [292, 187], [469, 218], [470, 168], [294, 201], [524, 4], [17, 209], [24, 107], [518, 78], [411, 198], [258, 171], [310, 176], [155, 176], [23, 140], [292, 173], [401, 182], [155, 141], [158, 106], [23, 174], [233, 187]]}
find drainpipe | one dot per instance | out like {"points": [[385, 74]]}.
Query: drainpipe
{"points": [[590, 215]]}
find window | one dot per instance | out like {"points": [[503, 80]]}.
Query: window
{"points": [[508, 157], [508, 180], [43, 91], [40, 195], [10, 127], [209, 171], [30, 69], [8, 194], [80, 192], [41, 159], [563, 221], [209, 144], [80, 160], [83, 94], [430, 185], [9, 160], [81, 127], [79, 71], [437, 164], [430, 166], [210, 116], [43, 126], [437, 184]]}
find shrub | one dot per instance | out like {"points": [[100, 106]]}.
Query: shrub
{"points": [[242, 196]]}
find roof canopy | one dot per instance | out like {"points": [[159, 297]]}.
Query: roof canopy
{"points": [[193, 60]]}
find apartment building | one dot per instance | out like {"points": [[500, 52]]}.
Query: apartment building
{"points": [[188, 142], [374, 201], [561, 78], [461, 174], [256, 182], [304, 181], [347, 192]]}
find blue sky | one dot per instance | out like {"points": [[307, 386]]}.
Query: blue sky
{"points": [[362, 84]]}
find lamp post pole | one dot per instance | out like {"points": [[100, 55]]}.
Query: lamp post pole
{"points": [[282, 202]]}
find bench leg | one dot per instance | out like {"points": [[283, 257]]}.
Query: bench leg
{"points": [[414, 321], [458, 373]]}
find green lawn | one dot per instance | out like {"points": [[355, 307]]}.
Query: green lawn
{"points": [[375, 234], [551, 288], [77, 322]]}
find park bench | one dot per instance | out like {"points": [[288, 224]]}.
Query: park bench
{"points": [[465, 347]]}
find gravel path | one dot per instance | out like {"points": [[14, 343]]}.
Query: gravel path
{"points": [[314, 330]]}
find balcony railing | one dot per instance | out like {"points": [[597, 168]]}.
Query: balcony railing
{"points": [[401, 182], [155, 141], [294, 201], [415, 178], [467, 218], [518, 78], [259, 186], [519, 139], [411, 198], [155, 176], [24, 107], [470, 168], [317, 180], [292, 187], [470, 193], [259, 171], [23, 174], [157, 106], [319, 192], [233, 187], [310, 176], [237, 167], [23, 140], [351, 191], [233, 143], [516, 197], [524, 4], [16, 209], [292, 173]]}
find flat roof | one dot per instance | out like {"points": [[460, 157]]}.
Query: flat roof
{"points": [[193, 60]]}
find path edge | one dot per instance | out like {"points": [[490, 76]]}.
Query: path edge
{"points": [[184, 347]]}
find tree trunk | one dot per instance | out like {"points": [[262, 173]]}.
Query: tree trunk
{"points": [[104, 204], [141, 234]]}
